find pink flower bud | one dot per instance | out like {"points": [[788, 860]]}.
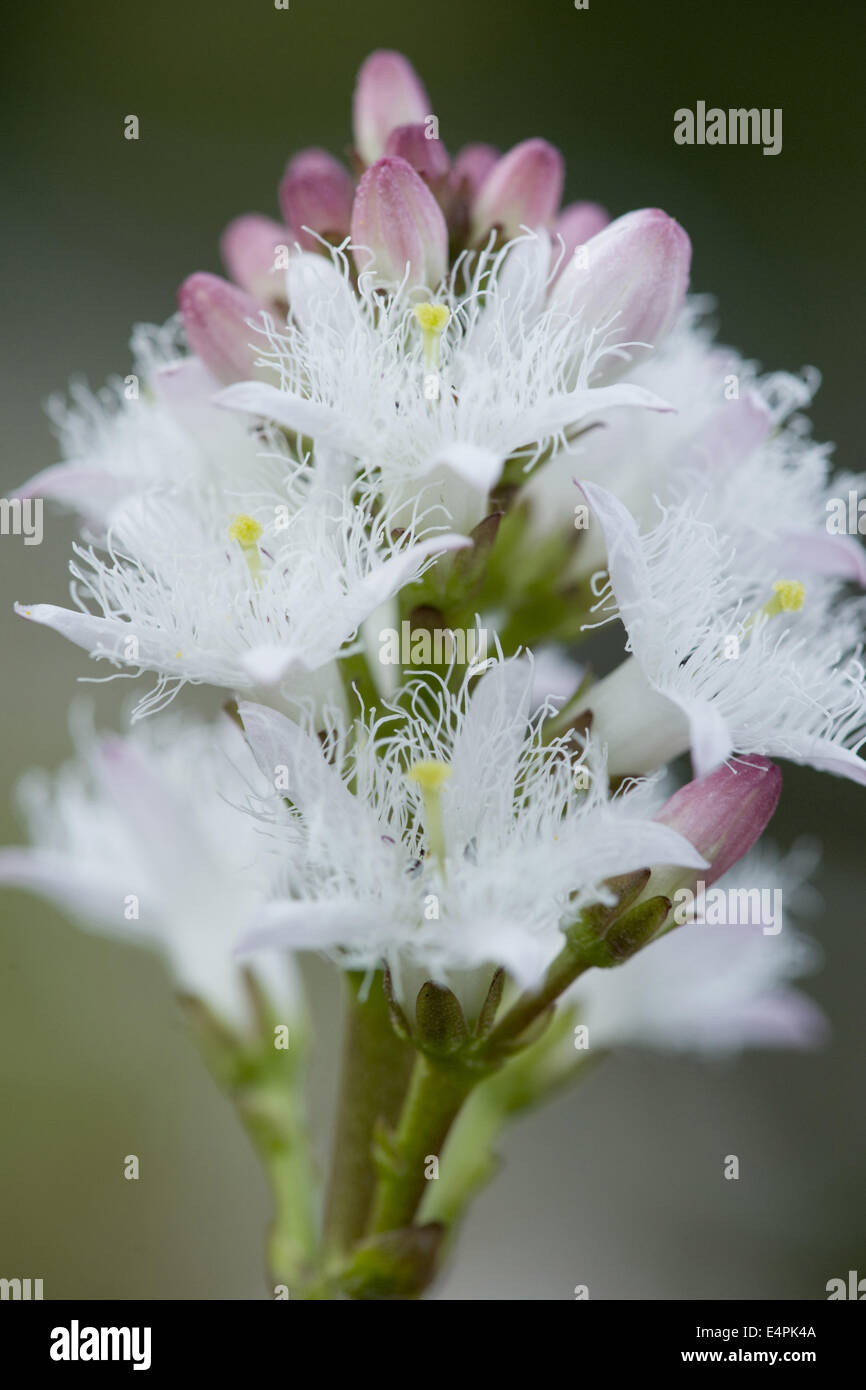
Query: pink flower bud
{"points": [[427, 157], [471, 167], [215, 315], [388, 94], [251, 247], [397, 218], [627, 284], [726, 812], [316, 192], [576, 225], [522, 190]]}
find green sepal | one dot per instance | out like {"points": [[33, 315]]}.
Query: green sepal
{"points": [[634, 930], [470, 565], [594, 921], [441, 1027], [399, 1021], [491, 1004]]}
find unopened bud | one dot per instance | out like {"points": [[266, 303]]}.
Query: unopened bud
{"points": [[396, 217], [388, 93]]}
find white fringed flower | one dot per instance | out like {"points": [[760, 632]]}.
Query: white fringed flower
{"points": [[244, 590], [156, 428], [735, 441], [448, 842], [728, 654], [433, 395], [713, 989], [146, 838]]}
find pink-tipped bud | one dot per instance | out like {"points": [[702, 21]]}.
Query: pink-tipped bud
{"points": [[627, 284], [397, 218], [575, 226], [215, 317], [522, 190], [427, 156], [254, 249], [316, 193], [388, 93], [726, 812], [471, 167]]}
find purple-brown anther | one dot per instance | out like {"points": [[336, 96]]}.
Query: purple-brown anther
{"points": [[215, 318], [254, 250], [397, 218], [388, 94], [316, 193], [725, 813], [523, 189]]}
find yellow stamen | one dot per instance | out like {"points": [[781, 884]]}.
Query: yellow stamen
{"points": [[789, 595], [431, 776], [247, 531], [433, 319]]}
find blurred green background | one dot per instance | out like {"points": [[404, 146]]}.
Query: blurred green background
{"points": [[618, 1186]]}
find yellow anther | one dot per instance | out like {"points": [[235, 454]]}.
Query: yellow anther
{"points": [[245, 529], [790, 597], [433, 319], [431, 776]]}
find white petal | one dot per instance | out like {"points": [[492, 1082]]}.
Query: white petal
{"points": [[823, 754], [319, 295], [487, 746], [313, 784], [95, 900], [307, 926], [386, 579], [266, 666], [569, 408], [710, 737], [625, 561], [817, 552], [158, 818], [478, 467], [293, 412], [90, 489], [625, 845], [642, 726], [98, 636]]}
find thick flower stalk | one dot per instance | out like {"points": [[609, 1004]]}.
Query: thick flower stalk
{"points": [[377, 488]]}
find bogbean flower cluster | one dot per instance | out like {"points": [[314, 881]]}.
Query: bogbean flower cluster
{"points": [[431, 398]]}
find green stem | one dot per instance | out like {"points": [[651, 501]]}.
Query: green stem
{"points": [[376, 1067], [563, 971], [273, 1114], [266, 1085], [436, 1093], [523, 1083]]}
